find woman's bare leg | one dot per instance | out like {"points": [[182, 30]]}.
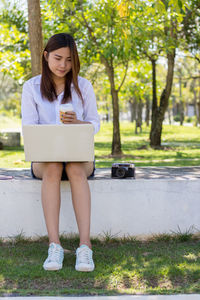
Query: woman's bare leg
{"points": [[50, 173], [77, 174]]}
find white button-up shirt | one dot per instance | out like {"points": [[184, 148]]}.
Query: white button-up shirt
{"points": [[37, 110]]}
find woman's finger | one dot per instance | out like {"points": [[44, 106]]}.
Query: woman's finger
{"points": [[68, 117]]}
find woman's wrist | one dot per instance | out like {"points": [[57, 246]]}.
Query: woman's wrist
{"points": [[83, 122]]}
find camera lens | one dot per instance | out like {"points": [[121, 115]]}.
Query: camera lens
{"points": [[120, 172]]}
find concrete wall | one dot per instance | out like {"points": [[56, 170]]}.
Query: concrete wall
{"points": [[122, 207], [10, 138]]}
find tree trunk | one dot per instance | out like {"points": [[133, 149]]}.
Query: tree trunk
{"points": [[159, 113], [132, 103], [181, 113], [169, 116], [181, 100], [193, 90], [195, 102], [116, 141], [136, 109], [35, 35], [154, 114], [198, 103], [138, 122], [147, 111], [107, 113], [198, 113]]}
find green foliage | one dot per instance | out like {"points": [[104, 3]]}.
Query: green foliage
{"points": [[184, 236], [12, 15], [15, 64], [99, 29], [188, 119], [155, 23], [177, 118], [138, 82], [11, 106], [14, 53], [191, 28]]}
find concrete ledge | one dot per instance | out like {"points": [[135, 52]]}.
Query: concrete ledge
{"points": [[10, 138], [138, 207]]}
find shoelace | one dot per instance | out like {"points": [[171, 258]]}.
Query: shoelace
{"points": [[54, 254], [84, 256]]}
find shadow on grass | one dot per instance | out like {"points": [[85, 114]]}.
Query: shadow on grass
{"points": [[16, 149], [121, 267], [103, 145]]}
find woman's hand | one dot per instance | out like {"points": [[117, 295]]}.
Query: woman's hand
{"points": [[68, 117]]}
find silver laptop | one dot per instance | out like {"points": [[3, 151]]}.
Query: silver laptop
{"points": [[65, 142]]}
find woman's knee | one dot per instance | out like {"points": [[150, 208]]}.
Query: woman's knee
{"points": [[75, 170], [53, 170]]}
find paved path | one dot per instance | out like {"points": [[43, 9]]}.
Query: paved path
{"points": [[136, 297], [176, 173]]}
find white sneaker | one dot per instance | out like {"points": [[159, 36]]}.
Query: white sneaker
{"points": [[84, 261], [55, 258]]}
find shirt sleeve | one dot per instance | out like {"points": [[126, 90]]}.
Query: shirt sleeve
{"points": [[28, 106], [90, 108]]}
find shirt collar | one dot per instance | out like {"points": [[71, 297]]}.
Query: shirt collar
{"points": [[38, 81]]}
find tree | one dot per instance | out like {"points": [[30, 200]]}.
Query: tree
{"points": [[136, 91], [175, 13], [158, 25], [191, 29], [100, 29], [163, 38], [185, 85], [191, 34], [14, 52], [35, 35]]}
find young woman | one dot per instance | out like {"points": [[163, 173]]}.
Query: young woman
{"points": [[41, 97]]}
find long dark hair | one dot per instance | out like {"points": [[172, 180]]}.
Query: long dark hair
{"points": [[47, 85]]}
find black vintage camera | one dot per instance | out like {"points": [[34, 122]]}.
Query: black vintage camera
{"points": [[120, 170]]}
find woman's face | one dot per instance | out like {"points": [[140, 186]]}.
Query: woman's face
{"points": [[59, 61]]}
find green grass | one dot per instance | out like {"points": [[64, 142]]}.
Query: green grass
{"points": [[158, 266], [181, 147]]}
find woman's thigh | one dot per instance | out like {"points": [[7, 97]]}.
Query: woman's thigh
{"points": [[54, 168], [76, 168]]}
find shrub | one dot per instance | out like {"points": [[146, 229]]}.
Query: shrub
{"points": [[188, 119], [177, 118]]}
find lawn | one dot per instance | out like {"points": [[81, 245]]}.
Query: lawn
{"points": [[163, 265], [181, 147]]}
